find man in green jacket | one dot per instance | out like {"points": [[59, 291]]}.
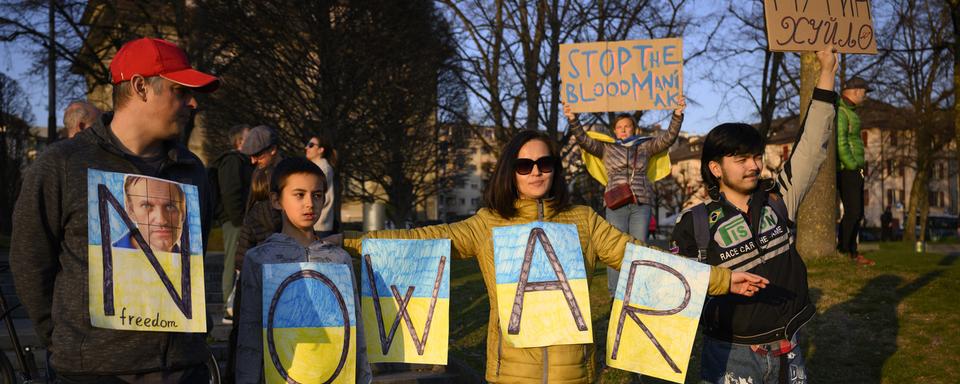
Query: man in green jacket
{"points": [[850, 167]]}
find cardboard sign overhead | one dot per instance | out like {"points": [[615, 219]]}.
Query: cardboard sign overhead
{"points": [[608, 76], [811, 25]]}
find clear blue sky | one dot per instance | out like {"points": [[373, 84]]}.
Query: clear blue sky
{"points": [[708, 112]]}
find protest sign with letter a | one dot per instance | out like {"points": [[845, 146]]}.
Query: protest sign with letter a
{"points": [[405, 300], [803, 26], [607, 76], [145, 254], [655, 313], [542, 296]]}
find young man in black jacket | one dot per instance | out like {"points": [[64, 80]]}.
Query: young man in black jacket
{"points": [[153, 101], [751, 225]]}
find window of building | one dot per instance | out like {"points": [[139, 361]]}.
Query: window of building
{"points": [[866, 198], [463, 201], [889, 166], [474, 186], [889, 197], [933, 198], [475, 201], [864, 136]]}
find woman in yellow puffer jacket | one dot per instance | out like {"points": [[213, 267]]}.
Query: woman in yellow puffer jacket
{"points": [[528, 185]]}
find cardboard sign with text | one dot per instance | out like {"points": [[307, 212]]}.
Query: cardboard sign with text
{"points": [[799, 26], [629, 75]]}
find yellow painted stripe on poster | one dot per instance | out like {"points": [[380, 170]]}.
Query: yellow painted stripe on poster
{"points": [[310, 355], [546, 318], [139, 295], [637, 353], [403, 349]]}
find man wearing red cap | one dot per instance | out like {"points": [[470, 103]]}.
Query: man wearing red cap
{"points": [[153, 100]]}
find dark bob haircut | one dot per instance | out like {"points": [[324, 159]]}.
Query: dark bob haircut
{"points": [[291, 166], [730, 139], [501, 192]]}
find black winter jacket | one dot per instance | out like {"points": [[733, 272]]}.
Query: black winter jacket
{"points": [[761, 242]]}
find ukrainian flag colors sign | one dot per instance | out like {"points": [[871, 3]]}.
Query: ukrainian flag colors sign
{"points": [[144, 254], [542, 291], [309, 327], [405, 296], [655, 312]]}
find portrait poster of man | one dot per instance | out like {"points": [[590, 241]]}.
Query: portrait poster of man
{"points": [[145, 259], [542, 294]]}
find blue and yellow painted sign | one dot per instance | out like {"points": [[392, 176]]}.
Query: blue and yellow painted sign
{"points": [[542, 292], [309, 326], [145, 254], [655, 313], [405, 296]]}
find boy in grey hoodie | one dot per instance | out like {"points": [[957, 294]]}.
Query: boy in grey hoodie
{"points": [[297, 191]]}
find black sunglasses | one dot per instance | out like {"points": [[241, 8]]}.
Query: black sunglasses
{"points": [[545, 164], [311, 144]]}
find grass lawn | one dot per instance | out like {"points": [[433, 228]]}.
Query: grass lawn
{"points": [[890, 323]]}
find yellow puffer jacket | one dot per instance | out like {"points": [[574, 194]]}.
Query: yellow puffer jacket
{"points": [[473, 237]]}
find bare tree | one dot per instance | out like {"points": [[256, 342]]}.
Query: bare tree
{"points": [[14, 136], [89, 33], [375, 77], [916, 75]]}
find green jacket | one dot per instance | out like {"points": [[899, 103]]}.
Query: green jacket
{"points": [[849, 143], [473, 238]]}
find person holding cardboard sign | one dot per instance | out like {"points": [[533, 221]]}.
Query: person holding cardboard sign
{"points": [[629, 192], [750, 225], [528, 188]]}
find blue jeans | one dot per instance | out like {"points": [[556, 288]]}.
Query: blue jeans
{"points": [[632, 219], [732, 363]]}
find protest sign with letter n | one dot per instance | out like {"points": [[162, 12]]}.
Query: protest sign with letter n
{"points": [[145, 254]]}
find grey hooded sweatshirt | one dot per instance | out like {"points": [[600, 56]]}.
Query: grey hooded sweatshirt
{"points": [[279, 249], [48, 256]]}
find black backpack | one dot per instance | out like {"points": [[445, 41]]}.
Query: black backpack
{"points": [[701, 223]]}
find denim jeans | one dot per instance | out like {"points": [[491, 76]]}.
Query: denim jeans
{"points": [[632, 219], [733, 363]]}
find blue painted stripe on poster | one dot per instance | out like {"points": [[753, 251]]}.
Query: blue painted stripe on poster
{"points": [[307, 303], [510, 243], [406, 263], [658, 289]]}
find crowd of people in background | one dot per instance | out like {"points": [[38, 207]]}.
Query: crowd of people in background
{"points": [[273, 208]]}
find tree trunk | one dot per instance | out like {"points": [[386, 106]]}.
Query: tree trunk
{"points": [[817, 216], [955, 17], [920, 186]]}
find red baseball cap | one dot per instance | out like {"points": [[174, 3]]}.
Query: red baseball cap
{"points": [[155, 57]]}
